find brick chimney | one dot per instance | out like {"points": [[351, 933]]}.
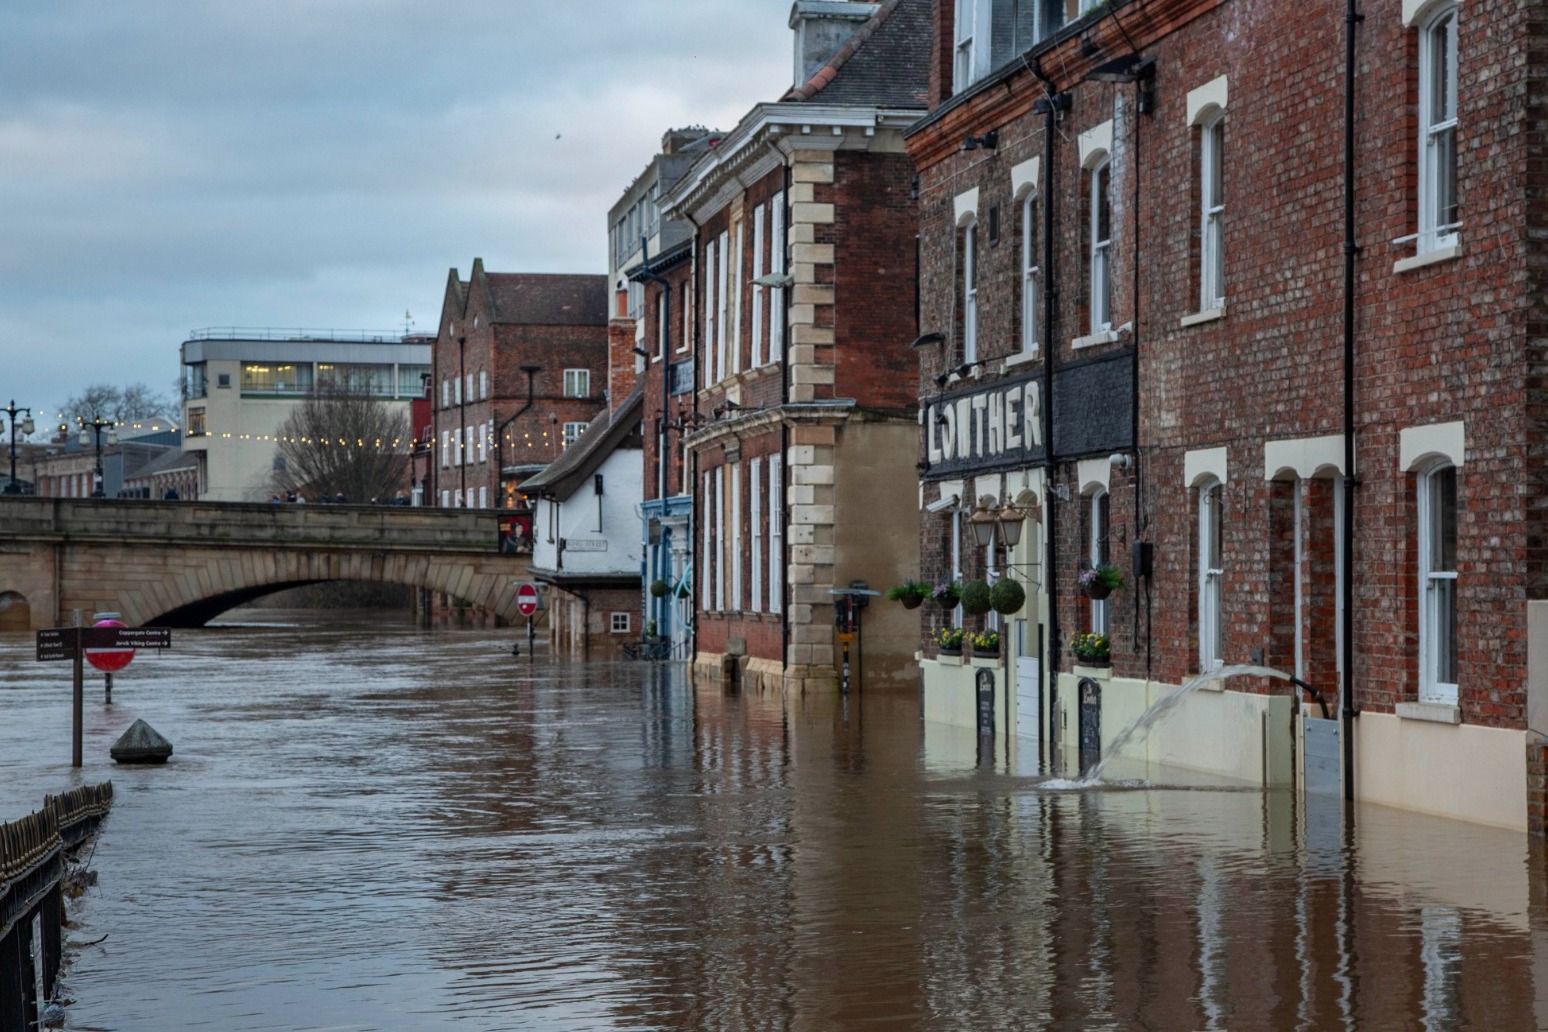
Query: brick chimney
{"points": [[821, 27]]}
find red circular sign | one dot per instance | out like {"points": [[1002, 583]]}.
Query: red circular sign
{"points": [[109, 660], [527, 599]]}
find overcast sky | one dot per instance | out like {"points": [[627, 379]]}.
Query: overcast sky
{"points": [[167, 165]]}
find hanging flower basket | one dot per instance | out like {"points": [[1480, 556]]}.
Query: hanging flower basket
{"points": [[1100, 581], [946, 595], [911, 593]]}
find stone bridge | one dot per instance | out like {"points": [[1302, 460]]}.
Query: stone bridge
{"points": [[179, 564]]}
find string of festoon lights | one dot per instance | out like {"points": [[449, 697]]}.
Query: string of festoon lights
{"points": [[530, 440]]}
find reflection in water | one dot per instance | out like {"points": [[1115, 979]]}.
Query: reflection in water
{"points": [[370, 827]]}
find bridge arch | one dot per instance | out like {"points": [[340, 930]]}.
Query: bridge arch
{"points": [[172, 563]]}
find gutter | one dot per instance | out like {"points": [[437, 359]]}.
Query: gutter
{"points": [[1348, 711]]}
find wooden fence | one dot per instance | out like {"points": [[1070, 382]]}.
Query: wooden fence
{"points": [[32, 870]]}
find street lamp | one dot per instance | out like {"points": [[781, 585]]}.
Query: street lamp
{"points": [[90, 432], [12, 487]]}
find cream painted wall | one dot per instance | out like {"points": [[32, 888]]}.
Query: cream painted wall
{"points": [[1468, 773]]}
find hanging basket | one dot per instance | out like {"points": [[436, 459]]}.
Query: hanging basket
{"points": [[1097, 591], [912, 601]]}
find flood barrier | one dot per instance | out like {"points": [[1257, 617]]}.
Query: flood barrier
{"points": [[32, 887]]}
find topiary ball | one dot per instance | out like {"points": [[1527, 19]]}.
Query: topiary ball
{"points": [[1007, 596], [975, 598]]}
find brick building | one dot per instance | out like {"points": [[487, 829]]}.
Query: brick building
{"points": [[800, 446], [1150, 321], [519, 369], [649, 254]]}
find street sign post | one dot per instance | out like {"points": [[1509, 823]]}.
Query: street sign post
{"points": [[527, 603], [59, 643]]}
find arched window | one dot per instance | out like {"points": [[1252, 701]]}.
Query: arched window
{"points": [[1438, 584], [1099, 552], [1211, 574], [970, 290], [1212, 213], [1029, 271], [1101, 233], [1438, 213]]}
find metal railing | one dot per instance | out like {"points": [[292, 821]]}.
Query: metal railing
{"points": [[299, 334]]}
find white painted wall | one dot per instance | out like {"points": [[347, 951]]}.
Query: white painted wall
{"points": [[614, 526]]}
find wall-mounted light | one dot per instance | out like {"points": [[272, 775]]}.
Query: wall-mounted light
{"points": [[1120, 460], [641, 352], [988, 141], [965, 368], [924, 340]]}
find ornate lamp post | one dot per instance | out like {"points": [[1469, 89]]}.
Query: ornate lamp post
{"points": [[12, 487], [90, 432]]}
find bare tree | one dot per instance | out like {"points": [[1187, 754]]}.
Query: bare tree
{"points": [[120, 404], [342, 442]]}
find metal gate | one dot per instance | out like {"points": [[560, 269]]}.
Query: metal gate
{"points": [[1090, 723], [1029, 716], [1322, 794]]}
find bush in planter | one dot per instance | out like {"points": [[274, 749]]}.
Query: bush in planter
{"points": [[975, 598], [946, 594], [986, 642], [1093, 647], [660, 588], [948, 639], [1007, 596]]}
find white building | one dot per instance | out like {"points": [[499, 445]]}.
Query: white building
{"points": [[239, 385], [586, 532]]}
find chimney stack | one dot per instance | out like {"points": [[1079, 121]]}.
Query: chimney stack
{"points": [[821, 28]]}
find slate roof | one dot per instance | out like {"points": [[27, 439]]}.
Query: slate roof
{"points": [[886, 63], [603, 436]]}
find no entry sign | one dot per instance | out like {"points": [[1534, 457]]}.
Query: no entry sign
{"points": [[527, 599], [108, 660]]}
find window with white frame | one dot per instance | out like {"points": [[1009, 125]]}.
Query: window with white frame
{"points": [[1098, 550], [971, 42], [759, 216], [755, 525], [1211, 499], [483, 497], [1438, 584], [707, 299], [722, 303], [663, 296], [483, 442], [1101, 233], [970, 291], [685, 302], [446, 394], [577, 383], [456, 390], [573, 432], [1029, 295], [446, 499], [777, 266], [1438, 212], [734, 301], [734, 535], [618, 623], [776, 536], [445, 448], [720, 539], [469, 394], [706, 511], [1212, 213], [483, 383]]}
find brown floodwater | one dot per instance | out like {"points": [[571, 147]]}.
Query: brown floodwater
{"points": [[369, 826]]}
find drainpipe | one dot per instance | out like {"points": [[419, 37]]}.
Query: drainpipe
{"points": [[1352, 19], [531, 371], [1050, 106], [664, 326], [784, 426]]}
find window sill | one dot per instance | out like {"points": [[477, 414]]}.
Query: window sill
{"points": [[1093, 339], [1207, 315], [1435, 712], [1021, 358], [1430, 257], [1096, 673]]}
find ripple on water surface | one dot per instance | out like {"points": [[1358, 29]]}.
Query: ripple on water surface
{"points": [[369, 826]]}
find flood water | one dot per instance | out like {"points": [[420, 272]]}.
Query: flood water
{"points": [[369, 826]]}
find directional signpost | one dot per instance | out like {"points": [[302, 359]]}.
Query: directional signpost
{"points": [[72, 643]]}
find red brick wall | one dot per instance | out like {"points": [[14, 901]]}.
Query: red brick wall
{"points": [[1448, 342], [875, 224]]}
